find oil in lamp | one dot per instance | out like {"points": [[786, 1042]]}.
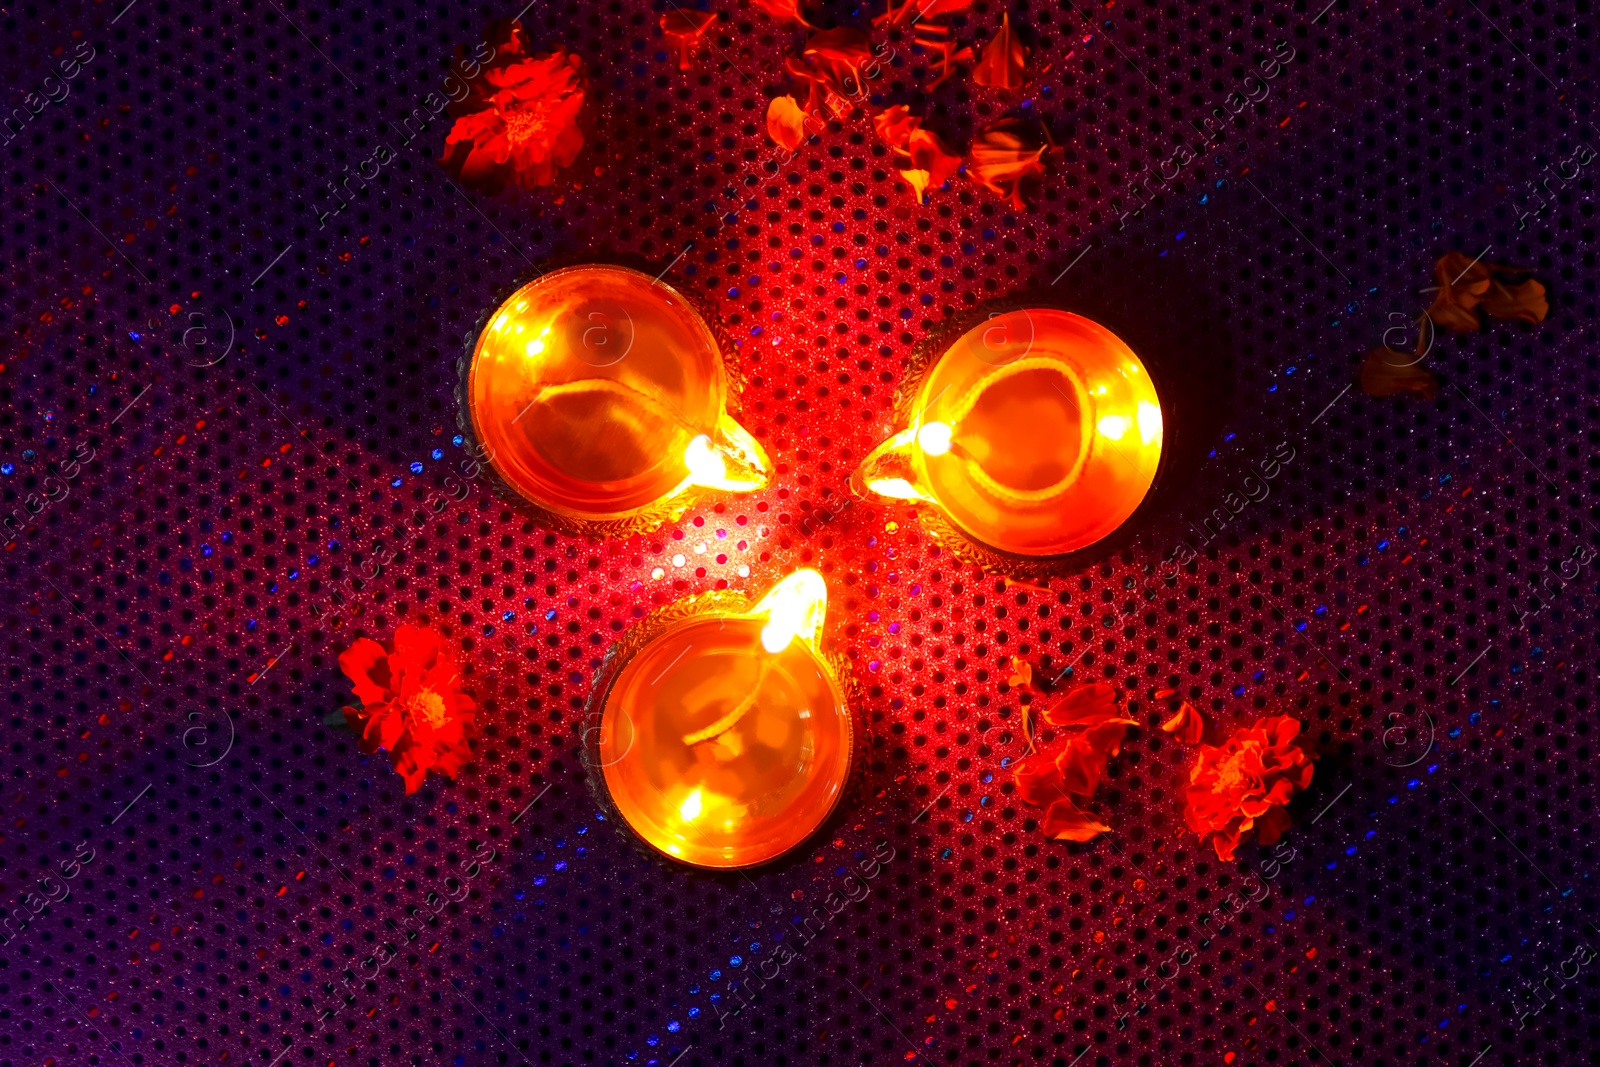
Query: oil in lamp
{"points": [[1033, 435], [600, 395], [721, 731]]}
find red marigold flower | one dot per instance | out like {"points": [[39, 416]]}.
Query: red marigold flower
{"points": [[519, 119], [411, 704], [1245, 783]]}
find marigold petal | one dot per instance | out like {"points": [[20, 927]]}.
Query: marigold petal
{"points": [[1187, 725], [1521, 303], [685, 28], [1225, 841], [1086, 705], [782, 10], [366, 664], [1064, 822], [786, 122], [1003, 61], [1038, 781], [1001, 159], [1386, 372], [894, 126], [1271, 825]]}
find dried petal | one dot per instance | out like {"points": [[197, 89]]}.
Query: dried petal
{"points": [[782, 10], [1003, 61], [1386, 372], [685, 28], [1462, 285], [786, 123], [1038, 781], [1087, 705], [1064, 822], [1001, 159], [1523, 303], [1187, 725]]}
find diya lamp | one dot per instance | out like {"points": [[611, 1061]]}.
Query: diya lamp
{"points": [[600, 395], [721, 732], [1035, 434]]}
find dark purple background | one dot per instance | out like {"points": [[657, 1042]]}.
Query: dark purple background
{"points": [[171, 199]]}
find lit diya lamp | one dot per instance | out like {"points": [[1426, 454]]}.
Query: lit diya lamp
{"points": [[600, 395], [1034, 435], [722, 733]]}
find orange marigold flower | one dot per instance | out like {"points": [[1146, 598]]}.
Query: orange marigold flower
{"points": [[1004, 60], [1187, 725], [1001, 159], [685, 28], [411, 704], [1245, 783], [519, 120]]}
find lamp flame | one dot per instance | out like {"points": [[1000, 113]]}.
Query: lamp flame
{"points": [[795, 607], [708, 468]]}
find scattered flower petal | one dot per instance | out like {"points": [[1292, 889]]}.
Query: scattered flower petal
{"points": [[685, 28], [1021, 672], [781, 10], [1187, 725], [831, 66], [1462, 285], [1522, 303], [1064, 822], [1038, 781], [1386, 372], [916, 10], [1001, 159], [1086, 705], [1004, 60], [786, 122], [932, 164]]}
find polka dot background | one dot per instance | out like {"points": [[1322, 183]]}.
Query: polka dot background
{"points": [[221, 402]]}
